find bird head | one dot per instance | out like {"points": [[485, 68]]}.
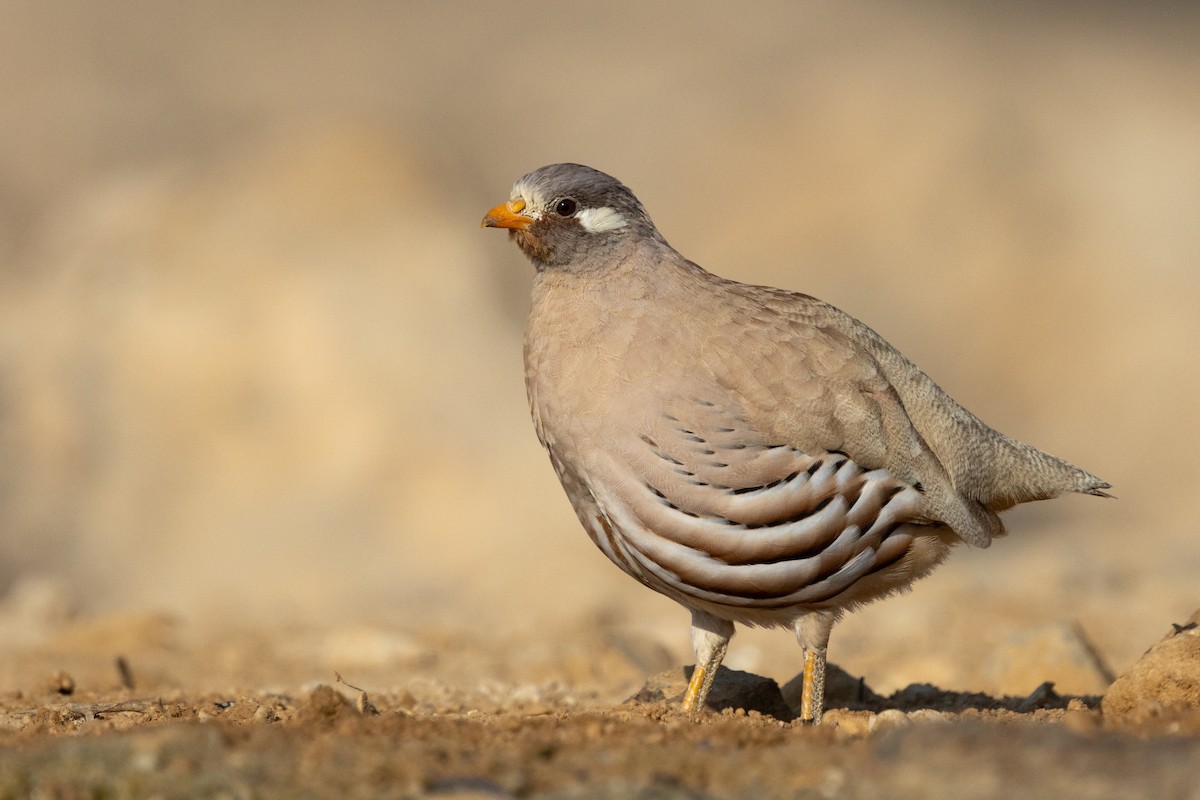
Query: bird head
{"points": [[564, 215]]}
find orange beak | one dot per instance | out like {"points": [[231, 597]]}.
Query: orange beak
{"points": [[508, 215]]}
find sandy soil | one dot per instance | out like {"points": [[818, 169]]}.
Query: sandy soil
{"points": [[140, 726], [262, 418], [278, 746]]}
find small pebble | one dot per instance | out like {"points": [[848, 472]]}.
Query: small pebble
{"points": [[888, 719], [928, 715]]}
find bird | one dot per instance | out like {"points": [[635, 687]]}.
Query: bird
{"points": [[755, 454]]}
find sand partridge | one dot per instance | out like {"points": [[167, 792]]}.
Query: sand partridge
{"points": [[755, 454]]}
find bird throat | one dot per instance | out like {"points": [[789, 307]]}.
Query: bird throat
{"points": [[532, 247]]}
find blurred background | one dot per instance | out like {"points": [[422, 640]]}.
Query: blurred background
{"points": [[258, 361]]}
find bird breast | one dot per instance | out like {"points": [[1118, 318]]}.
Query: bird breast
{"points": [[679, 490]]}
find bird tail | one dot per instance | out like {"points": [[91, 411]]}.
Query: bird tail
{"points": [[1023, 474]]}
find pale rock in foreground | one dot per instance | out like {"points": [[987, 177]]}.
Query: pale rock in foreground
{"points": [[1163, 681]]}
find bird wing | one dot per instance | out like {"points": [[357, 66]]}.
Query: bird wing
{"points": [[801, 374]]}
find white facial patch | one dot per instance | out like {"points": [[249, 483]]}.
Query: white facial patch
{"points": [[600, 220], [533, 199]]}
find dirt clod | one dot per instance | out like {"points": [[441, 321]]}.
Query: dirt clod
{"points": [[1165, 681]]}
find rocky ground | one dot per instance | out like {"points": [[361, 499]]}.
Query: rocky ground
{"points": [[141, 726]]}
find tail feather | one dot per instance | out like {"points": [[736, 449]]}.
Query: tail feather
{"points": [[1022, 473]]}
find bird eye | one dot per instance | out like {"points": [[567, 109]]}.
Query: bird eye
{"points": [[566, 207]]}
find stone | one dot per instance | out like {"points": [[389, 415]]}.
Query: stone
{"points": [[928, 716], [1040, 697], [889, 719], [1164, 680]]}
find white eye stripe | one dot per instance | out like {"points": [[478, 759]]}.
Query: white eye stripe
{"points": [[533, 199], [600, 220]]}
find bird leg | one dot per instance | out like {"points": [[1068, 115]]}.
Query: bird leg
{"points": [[812, 631], [710, 640]]}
